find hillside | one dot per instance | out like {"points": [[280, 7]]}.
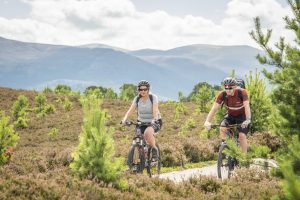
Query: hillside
{"points": [[34, 66], [39, 168]]}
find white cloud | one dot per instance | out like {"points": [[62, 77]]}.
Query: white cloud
{"points": [[118, 23]]}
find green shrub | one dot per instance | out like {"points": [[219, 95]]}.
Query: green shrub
{"points": [[101, 92], [198, 151], [173, 155], [19, 112], [53, 132], [128, 91], [187, 126], [286, 94], [67, 104], [245, 159], [181, 97], [47, 90], [179, 109], [290, 168], [260, 103], [22, 121], [62, 89], [40, 100], [42, 108], [200, 86], [110, 94], [8, 137], [20, 105], [203, 97], [49, 108], [94, 156]]}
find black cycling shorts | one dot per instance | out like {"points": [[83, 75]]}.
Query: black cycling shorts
{"points": [[156, 126], [229, 120]]}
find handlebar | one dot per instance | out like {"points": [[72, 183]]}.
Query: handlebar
{"points": [[228, 126], [129, 123]]}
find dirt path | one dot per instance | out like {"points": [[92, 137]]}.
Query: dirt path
{"points": [[183, 175], [211, 170]]}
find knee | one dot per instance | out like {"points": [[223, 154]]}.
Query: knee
{"points": [[147, 133], [223, 129], [242, 136]]}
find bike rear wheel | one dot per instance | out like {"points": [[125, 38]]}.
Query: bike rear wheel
{"points": [[224, 165], [136, 159], [153, 166]]}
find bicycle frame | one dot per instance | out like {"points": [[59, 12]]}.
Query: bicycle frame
{"points": [[226, 163], [232, 131], [144, 151]]}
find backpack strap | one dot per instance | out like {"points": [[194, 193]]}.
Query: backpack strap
{"points": [[151, 98], [240, 95], [224, 97]]}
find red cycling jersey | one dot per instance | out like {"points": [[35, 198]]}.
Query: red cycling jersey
{"points": [[234, 104]]}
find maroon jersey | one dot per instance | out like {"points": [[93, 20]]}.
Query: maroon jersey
{"points": [[234, 104]]}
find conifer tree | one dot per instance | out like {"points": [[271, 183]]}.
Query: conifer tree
{"points": [[203, 97], [19, 111], [286, 95], [260, 102], [8, 138], [128, 91], [94, 155]]}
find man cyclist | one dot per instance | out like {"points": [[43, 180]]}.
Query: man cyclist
{"points": [[147, 109], [238, 111]]}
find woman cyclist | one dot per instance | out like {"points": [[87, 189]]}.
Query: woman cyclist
{"points": [[147, 110]]}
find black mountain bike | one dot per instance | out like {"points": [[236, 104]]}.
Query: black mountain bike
{"points": [[226, 163], [140, 155]]}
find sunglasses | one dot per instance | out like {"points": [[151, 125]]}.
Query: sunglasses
{"points": [[146, 89], [229, 88]]}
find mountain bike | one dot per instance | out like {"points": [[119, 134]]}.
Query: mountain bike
{"points": [[140, 155], [226, 163]]}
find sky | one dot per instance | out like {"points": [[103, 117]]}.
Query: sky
{"points": [[138, 24]]}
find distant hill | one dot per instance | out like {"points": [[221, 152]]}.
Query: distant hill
{"points": [[30, 65], [224, 58]]}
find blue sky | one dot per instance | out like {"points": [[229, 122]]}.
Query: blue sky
{"points": [[137, 24]]}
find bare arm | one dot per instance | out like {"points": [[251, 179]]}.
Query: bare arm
{"points": [[247, 109], [155, 110], [212, 112], [129, 112]]}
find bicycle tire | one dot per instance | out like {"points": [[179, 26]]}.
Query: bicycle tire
{"points": [[153, 168], [136, 159], [223, 163]]}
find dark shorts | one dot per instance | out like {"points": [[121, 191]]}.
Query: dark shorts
{"points": [[229, 120], [156, 126]]}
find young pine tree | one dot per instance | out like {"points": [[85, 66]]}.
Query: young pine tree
{"points": [[203, 97], [94, 156], [8, 138], [286, 95], [260, 102], [19, 111]]}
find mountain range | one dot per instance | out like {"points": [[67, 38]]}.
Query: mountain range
{"points": [[35, 66]]}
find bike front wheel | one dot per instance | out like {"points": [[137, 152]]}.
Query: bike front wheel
{"points": [[153, 163], [136, 159], [224, 163]]}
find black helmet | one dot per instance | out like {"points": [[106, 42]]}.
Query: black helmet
{"points": [[229, 81], [144, 83]]}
